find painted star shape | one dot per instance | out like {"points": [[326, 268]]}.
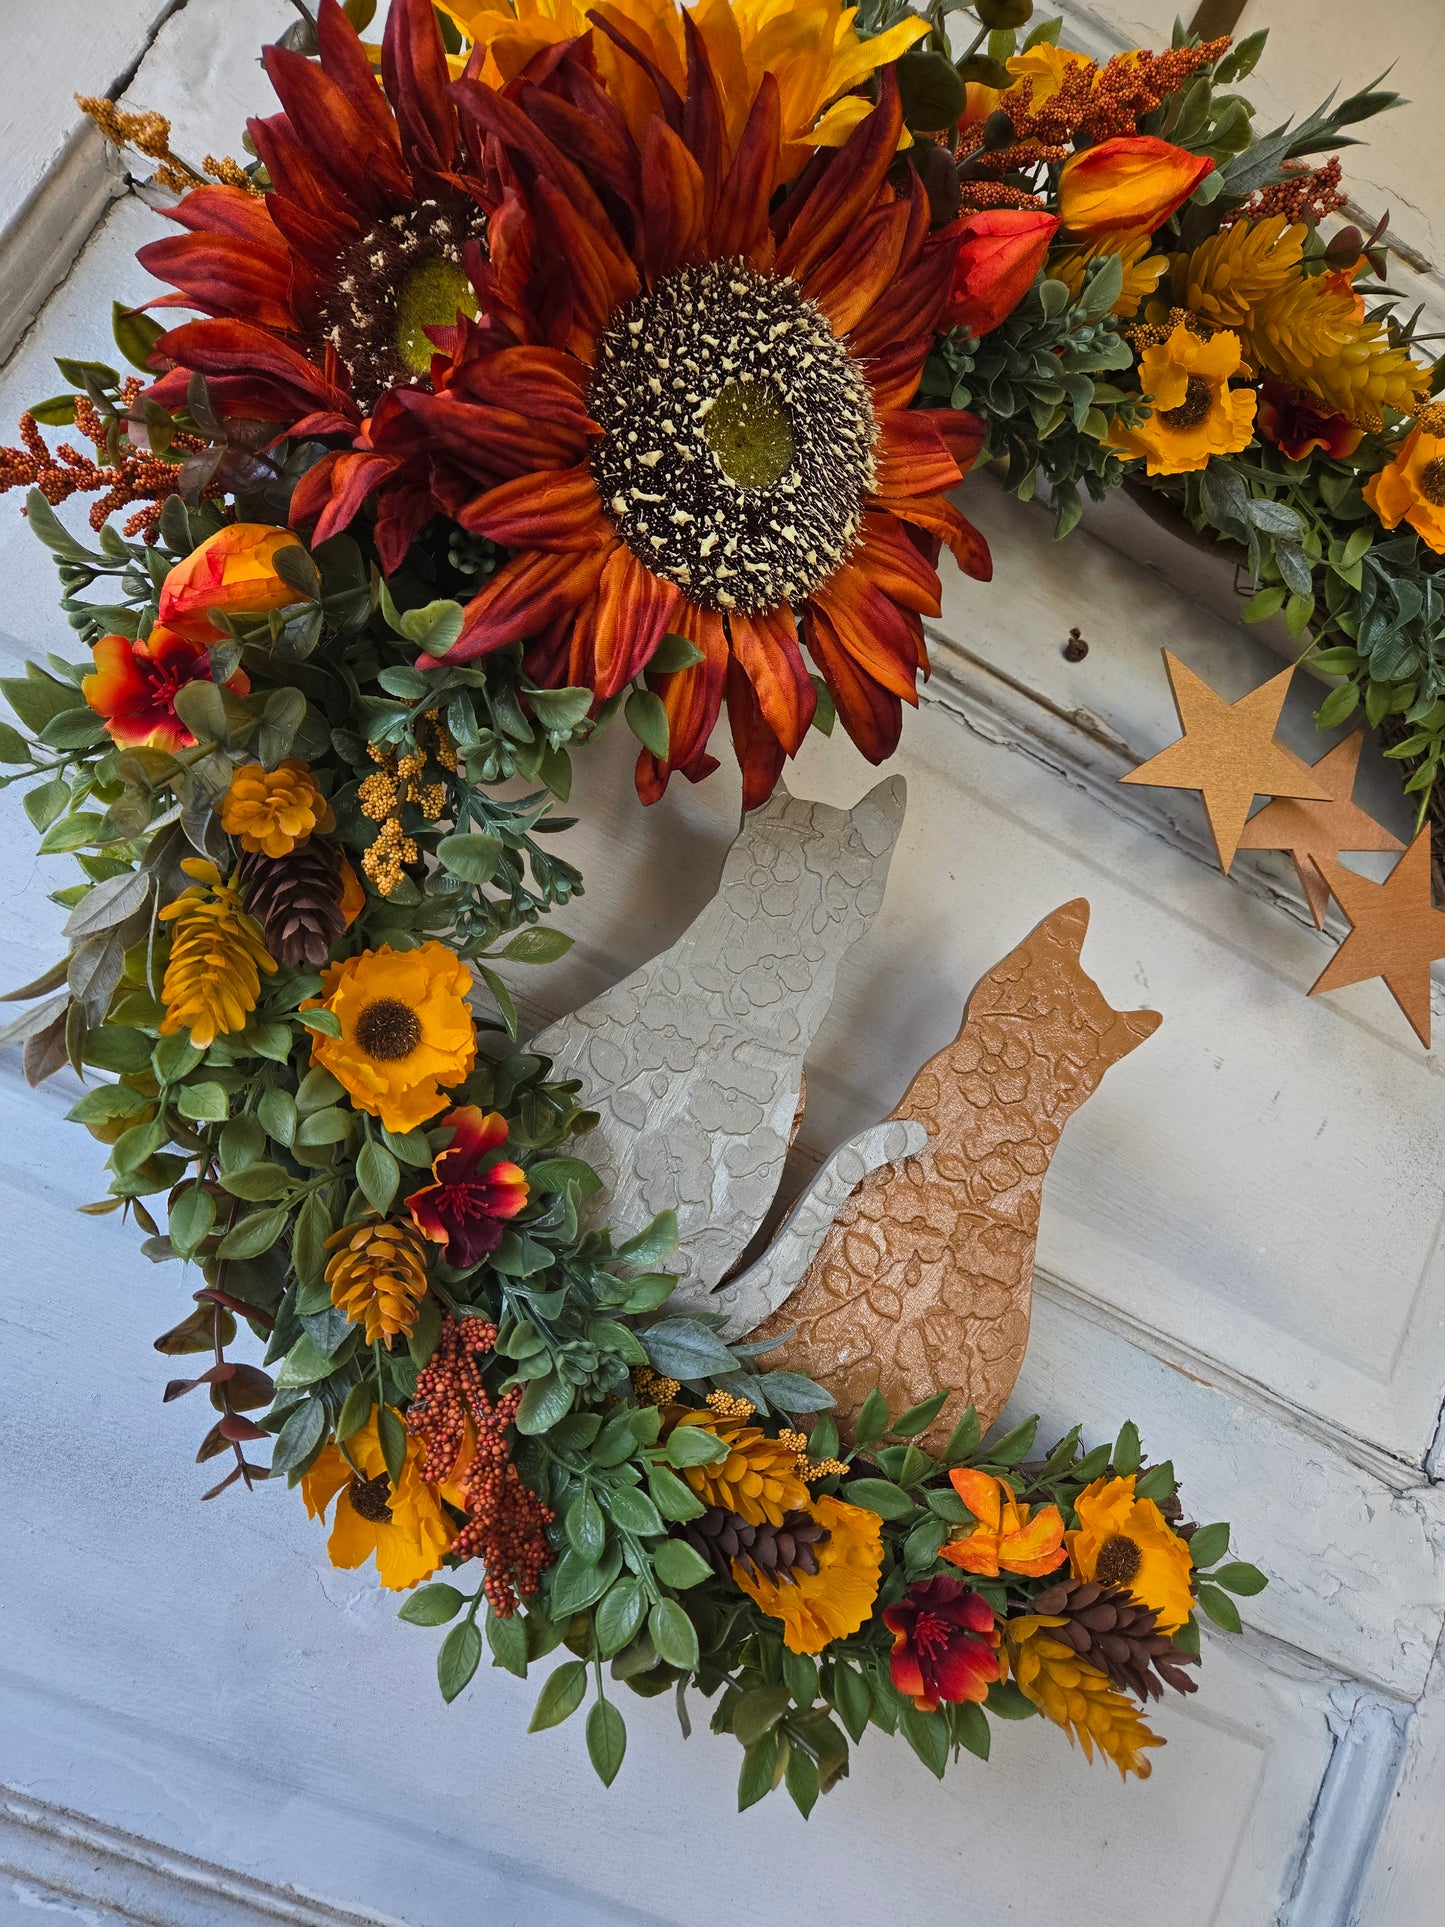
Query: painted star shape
{"points": [[1396, 932], [1309, 830], [1228, 753]]}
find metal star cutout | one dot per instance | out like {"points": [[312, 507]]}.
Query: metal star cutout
{"points": [[1228, 753], [1396, 932], [1309, 830]]}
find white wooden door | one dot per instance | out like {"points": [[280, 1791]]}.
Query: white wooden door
{"points": [[202, 1722]]}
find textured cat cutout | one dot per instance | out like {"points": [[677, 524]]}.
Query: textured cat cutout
{"points": [[924, 1278]]}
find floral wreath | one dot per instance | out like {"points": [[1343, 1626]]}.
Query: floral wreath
{"points": [[588, 382]]}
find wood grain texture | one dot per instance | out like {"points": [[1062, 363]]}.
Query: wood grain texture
{"points": [[925, 1278]]}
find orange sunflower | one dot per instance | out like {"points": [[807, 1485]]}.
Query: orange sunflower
{"points": [[713, 437]]}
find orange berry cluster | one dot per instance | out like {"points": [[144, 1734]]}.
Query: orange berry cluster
{"points": [[506, 1521], [1308, 195], [137, 476], [1132, 85]]}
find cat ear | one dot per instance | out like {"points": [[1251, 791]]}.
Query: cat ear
{"points": [[879, 815], [1066, 926]]}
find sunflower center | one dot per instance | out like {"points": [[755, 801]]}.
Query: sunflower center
{"points": [[402, 278], [747, 429], [1197, 402], [1118, 1562], [369, 1498], [388, 1029], [1432, 482], [738, 436]]}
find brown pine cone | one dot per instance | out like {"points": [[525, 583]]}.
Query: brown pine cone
{"points": [[1106, 1627], [780, 1553], [296, 898]]}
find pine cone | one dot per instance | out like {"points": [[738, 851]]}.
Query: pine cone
{"points": [[297, 898], [377, 1276], [1075, 1696], [781, 1553], [1111, 1630]]}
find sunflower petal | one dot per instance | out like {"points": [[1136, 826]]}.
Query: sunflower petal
{"points": [[767, 647], [555, 509], [626, 620], [522, 598], [760, 755]]}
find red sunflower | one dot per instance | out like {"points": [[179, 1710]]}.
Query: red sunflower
{"points": [[716, 438], [331, 290]]}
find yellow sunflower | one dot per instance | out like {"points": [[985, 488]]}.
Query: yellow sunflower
{"points": [[812, 51], [1124, 1541], [1195, 414], [404, 1527], [406, 1031], [819, 1607]]}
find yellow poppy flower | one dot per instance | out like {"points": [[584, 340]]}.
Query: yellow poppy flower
{"points": [[812, 51], [1124, 1541], [1411, 488], [404, 1527], [819, 1607], [406, 1031], [1195, 412], [1046, 66]]}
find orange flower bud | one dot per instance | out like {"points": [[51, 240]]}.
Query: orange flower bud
{"points": [[1002, 250], [232, 573], [1136, 181]]}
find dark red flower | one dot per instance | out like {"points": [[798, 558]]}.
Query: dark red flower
{"points": [[1297, 423], [473, 1192], [333, 288], [945, 1643], [134, 687]]}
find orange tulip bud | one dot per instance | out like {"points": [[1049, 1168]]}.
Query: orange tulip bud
{"points": [[1002, 250], [1136, 181], [232, 573]]}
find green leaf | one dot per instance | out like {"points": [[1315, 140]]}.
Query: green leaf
{"points": [[378, 1174], [559, 709], [253, 1235], [192, 1216], [560, 1697], [300, 1437], [545, 1400], [1208, 1544], [619, 1615], [460, 1655], [851, 1699], [685, 1348], [304, 1364], [1246, 1580], [1158, 1483], [646, 716], [555, 1174], [695, 1445], [763, 1766], [1339, 704], [258, 1182], [678, 1566], [800, 1674], [136, 334], [1007, 1702], [927, 1734], [659, 1240], [674, 1635], [585, 1527], [434, 628], [801, 1779], [633, 1511], [758, 1711], [355, 1411], [970, 1723], [1264, 603], [537, 945], [204, 1103], [56, 411], [331, 1126], [472, 858], [391, 1434], [882, 1496], [320, 1019], [1126, 1449], [671, 654], [508, 1641], [919, 1417], [1220, 1608], [277, 1112], [432, 1606], [872, 1420], [606, 1740], [673, 1499], [308, 1240], [1014, 1445], [931, 89]]}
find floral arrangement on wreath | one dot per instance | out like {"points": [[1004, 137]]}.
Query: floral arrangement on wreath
{"points": [[570, 369]]}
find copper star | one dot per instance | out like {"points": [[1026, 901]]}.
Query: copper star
{"points": [[1396, 932], [1227, 752], [1320, 829]]}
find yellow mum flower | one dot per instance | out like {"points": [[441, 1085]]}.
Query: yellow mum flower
{"points": [[403, 1527], [813, 51], [271, 811], [1195, 414], [1411, 488], [1124, 1541], [1305, 328], [1142, 270], [819, 1607], [406, 1031]]}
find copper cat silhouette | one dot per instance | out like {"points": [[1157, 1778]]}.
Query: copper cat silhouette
{"points": [[924, 1277]]}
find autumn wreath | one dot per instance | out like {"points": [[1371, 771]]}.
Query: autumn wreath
{"points": [[573, 369]]}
